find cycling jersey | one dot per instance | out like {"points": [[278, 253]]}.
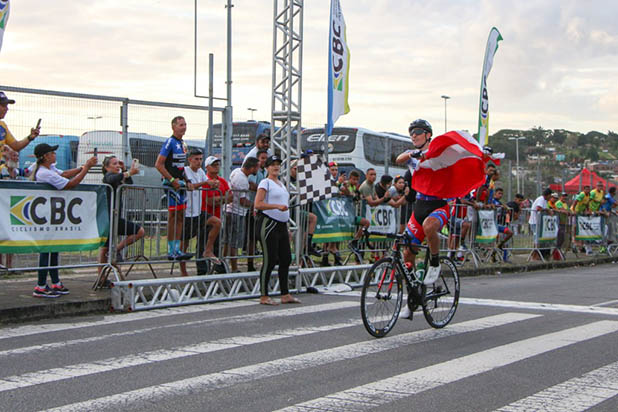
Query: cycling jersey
{"points": [[175, 152]]}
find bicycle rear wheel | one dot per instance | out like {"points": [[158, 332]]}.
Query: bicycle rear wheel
{"points": [[381, 297], [440, 299]]}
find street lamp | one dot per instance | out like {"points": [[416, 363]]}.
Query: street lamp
{"points": [[517, 139], [251, 110], [445, 97], [95, 120]]}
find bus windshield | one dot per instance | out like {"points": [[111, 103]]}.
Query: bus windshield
{"points": [[343, 140]]}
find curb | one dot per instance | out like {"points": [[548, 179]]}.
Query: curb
{"points": [[536, 266], [54, 310]]}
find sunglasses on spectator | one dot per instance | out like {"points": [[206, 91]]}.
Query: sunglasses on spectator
{"points": [[418, 131]]}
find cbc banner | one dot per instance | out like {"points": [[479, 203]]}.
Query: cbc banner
{"points": [[38, 218], [382, 218]]}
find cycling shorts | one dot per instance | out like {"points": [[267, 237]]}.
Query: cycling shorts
{"points": [[437, 209], [504, 230]]}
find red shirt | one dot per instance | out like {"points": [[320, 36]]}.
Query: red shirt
{"points": [[207, 205]]}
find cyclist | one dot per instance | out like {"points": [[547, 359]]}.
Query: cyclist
{"points": [[430, 213]]}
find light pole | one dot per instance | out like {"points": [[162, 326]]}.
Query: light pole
{"points": [[251, 110], [95, 120], [445, 97], [517, 139]]}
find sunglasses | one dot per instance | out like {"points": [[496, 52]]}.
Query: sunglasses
{"points": [[417, 131]]}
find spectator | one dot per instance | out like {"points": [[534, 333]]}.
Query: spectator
{"points": [[597, 197], [212, 199], [196, 221], [367, 189], [539, 205], [254, 181], [515, 206], [236, 212], [501, 217], [5, 134], [607, 208], [45, 172], [115, 174], [262, 142], [171, 164], [338, 179], [562, 208], [582, 201], [384, 187], [272, 200], [458, 229], [399, 194]]}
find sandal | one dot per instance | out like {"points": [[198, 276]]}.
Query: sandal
{"points": [[291, 299], [268, 302]]}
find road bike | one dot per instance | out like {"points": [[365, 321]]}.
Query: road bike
{"points": [[382, 293]]}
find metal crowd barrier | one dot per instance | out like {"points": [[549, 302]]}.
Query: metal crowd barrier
{"points": [[77, 260]]}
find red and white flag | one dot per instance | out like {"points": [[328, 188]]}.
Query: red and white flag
{"points": [[452, 166]]}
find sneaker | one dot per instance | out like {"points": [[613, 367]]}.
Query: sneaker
{"points": [[60, 289], [314, 251], [44, 292], [180, 256], [405, 313], [433, 273]]}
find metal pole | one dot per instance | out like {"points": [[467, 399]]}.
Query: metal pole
{"points": [[124, 122], [510, 182], [445, 97], [517, 156], [211, 87], [538, 177], [227, 142]]}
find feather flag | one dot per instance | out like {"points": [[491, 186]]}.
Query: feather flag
{"points": [[452, 166], [490, 51], [5, 8], [338, 67]]}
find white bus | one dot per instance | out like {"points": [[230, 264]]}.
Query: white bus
{"points": [[358, 148], [142, 146]]}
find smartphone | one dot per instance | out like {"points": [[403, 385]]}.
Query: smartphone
{"points": [[95, 152], [38, 124], [135, 163]]}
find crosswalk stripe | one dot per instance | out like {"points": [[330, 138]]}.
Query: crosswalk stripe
{"points": [[512, 304], [28, 330], [294, 363], [388, 390], [574, 395], [302, 310]]}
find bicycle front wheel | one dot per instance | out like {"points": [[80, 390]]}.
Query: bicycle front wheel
{"points": [[381, 297], [440, 299]]}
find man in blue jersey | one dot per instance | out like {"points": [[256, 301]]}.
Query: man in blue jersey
{"points": [[171, 164]]}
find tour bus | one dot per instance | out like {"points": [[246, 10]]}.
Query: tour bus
{"points": [[358, 148], [243, 138], [143, 147], [66, 154]]}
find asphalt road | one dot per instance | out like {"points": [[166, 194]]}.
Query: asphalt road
{"points": [[536, 341]]}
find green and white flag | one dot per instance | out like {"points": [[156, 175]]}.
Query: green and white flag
{"points": [[490, 51], [5, 7]]}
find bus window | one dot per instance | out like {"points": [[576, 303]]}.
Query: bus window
{"points": [[374, 148], [398, 147], [146, 151]]}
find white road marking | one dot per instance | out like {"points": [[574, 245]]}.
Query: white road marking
{"points": [[12, 332], [301, 310], [389, 390], [609, 302], [278, 367], [512, 304], [574, 395]]}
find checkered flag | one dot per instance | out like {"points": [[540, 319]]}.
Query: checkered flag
{"points": [[314, 181]]}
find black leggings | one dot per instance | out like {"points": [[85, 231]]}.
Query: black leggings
{"points": [[48, 259], [275, 240]]}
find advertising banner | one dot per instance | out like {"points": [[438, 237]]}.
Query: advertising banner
{"points": [[589, 228], [338, 67], [487, 231], [488, 62], [382, 219], [38, 218], [548, 230], [336, 220]]}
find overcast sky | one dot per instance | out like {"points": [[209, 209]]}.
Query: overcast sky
{"points": [[557, 66]]}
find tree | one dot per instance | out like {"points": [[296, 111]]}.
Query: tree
{"points": [[559, 136]]}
